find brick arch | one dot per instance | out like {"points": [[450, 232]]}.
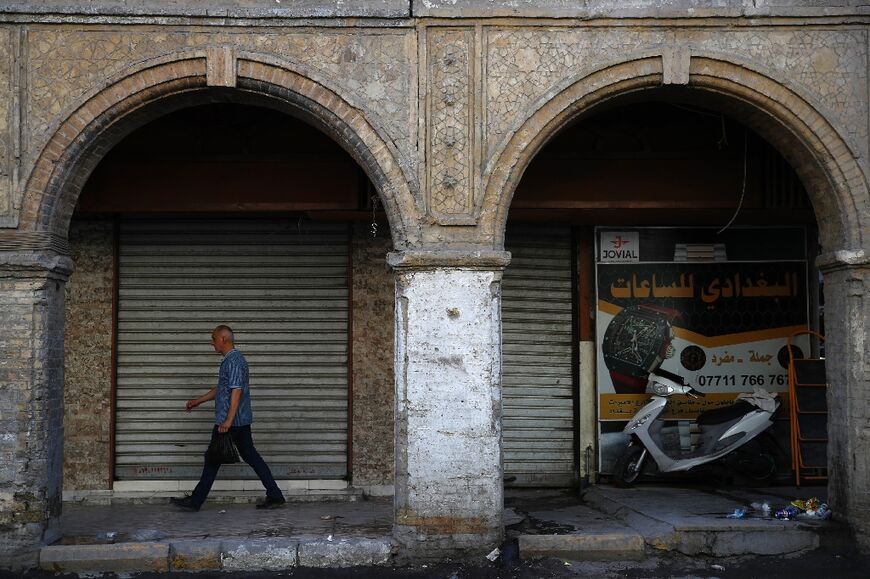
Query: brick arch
{"points": [[179, 81], [833, 179]]}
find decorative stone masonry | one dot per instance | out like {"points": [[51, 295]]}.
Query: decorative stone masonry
{"points": [[87, 391], [31, 402], [449, 489], [450, 120], [7, 127], [373, 384]]}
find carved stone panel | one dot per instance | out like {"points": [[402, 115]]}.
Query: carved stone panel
{"points": [[450, 115], [7, 107], [830, 67], [525, 67]]}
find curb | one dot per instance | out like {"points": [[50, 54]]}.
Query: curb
{"points": [[655, 533], [687, 539], [195, 555], [588, 547], [227, 554], [121, 558]]}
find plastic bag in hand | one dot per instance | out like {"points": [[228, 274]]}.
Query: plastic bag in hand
{"points": [[222, 450]]}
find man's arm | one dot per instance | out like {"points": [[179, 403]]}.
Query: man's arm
{"points": [[235, 397], [194, 402]]}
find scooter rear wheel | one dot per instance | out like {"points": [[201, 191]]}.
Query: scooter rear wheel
{"points": [[627, 470]]}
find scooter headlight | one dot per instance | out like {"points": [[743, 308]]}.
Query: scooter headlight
{"points": [[639, 422], [662, 389]]}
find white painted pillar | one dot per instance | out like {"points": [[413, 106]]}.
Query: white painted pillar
{"points": [[449, 482]]}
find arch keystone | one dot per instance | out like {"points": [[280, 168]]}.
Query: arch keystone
{"points": [[676, 61], [220, 66]]}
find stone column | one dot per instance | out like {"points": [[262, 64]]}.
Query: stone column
{"points": [[449, 489], [31, 402], [847, 319]]}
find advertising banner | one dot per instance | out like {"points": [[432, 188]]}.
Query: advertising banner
{"points": [[720, 324]]}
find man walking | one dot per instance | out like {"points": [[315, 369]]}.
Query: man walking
{"points": [[232, 413]]}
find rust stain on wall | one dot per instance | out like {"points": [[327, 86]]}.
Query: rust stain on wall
{"points": [[195, 562], [441, 525]]}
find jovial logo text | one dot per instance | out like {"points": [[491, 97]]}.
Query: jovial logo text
{"points": [[619, 247]]}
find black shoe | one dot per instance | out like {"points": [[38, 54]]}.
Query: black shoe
{"points": [[271, 503], [185, 503]]}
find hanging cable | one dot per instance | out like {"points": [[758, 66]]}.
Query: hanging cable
{"points": [[723, 142], [374, 216], [743, 187]]}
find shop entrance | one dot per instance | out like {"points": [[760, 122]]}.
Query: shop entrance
{"points": [[672, 171], [283, 288], [172, 238]]}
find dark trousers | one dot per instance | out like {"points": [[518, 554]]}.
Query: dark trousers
{"points": [[243, 441]]}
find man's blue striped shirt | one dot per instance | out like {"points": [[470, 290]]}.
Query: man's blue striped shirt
{"points": [[233, 374]]}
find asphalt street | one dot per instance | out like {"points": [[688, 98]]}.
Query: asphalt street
{"points": [[818, 564]]}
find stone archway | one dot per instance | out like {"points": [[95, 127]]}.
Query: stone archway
{"points": [[32, 287], [184, 80], [834, 180]]}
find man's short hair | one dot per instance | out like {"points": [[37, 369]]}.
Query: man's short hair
{"points": [[226, 331]]}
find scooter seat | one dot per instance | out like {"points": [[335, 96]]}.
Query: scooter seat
{"points": [[725, 414]]}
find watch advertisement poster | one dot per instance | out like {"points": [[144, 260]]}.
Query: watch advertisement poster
{"points": [[717, 310]]}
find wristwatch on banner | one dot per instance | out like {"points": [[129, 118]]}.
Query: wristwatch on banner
{"points": [[636, 342]]}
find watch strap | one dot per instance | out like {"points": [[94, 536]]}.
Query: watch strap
{"points": [[670, 313], [625, 384]]}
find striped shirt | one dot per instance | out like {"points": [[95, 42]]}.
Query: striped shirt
{"points": [[233, 375]]}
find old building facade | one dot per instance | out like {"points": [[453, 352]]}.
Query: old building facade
{"points": [[436, 110]]}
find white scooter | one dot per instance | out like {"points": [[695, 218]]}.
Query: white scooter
{"points": [[723, 431]]}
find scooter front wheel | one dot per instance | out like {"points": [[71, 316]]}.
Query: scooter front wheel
{"points": [[629, 466]]}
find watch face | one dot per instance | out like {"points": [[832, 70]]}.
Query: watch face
{"points": [[693, 358], [634, 341]]}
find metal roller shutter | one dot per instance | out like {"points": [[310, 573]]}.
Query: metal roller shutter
{"points": [[537, 376], [283, 288]]}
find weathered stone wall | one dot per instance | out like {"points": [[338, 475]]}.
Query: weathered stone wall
{"points": [[814, 80], [220, 10], [589, 9], [481, 87], [828, 67], [444, 115], [217, 9], [373, 385], [31, 402], [847, 294], [88, 358]]}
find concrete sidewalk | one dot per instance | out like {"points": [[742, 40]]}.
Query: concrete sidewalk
{"points": [[160, 537], [694, 521], [606, 524]]}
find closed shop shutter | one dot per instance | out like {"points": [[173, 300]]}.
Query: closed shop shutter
{"points": [[283, 288], [537, 375]]}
